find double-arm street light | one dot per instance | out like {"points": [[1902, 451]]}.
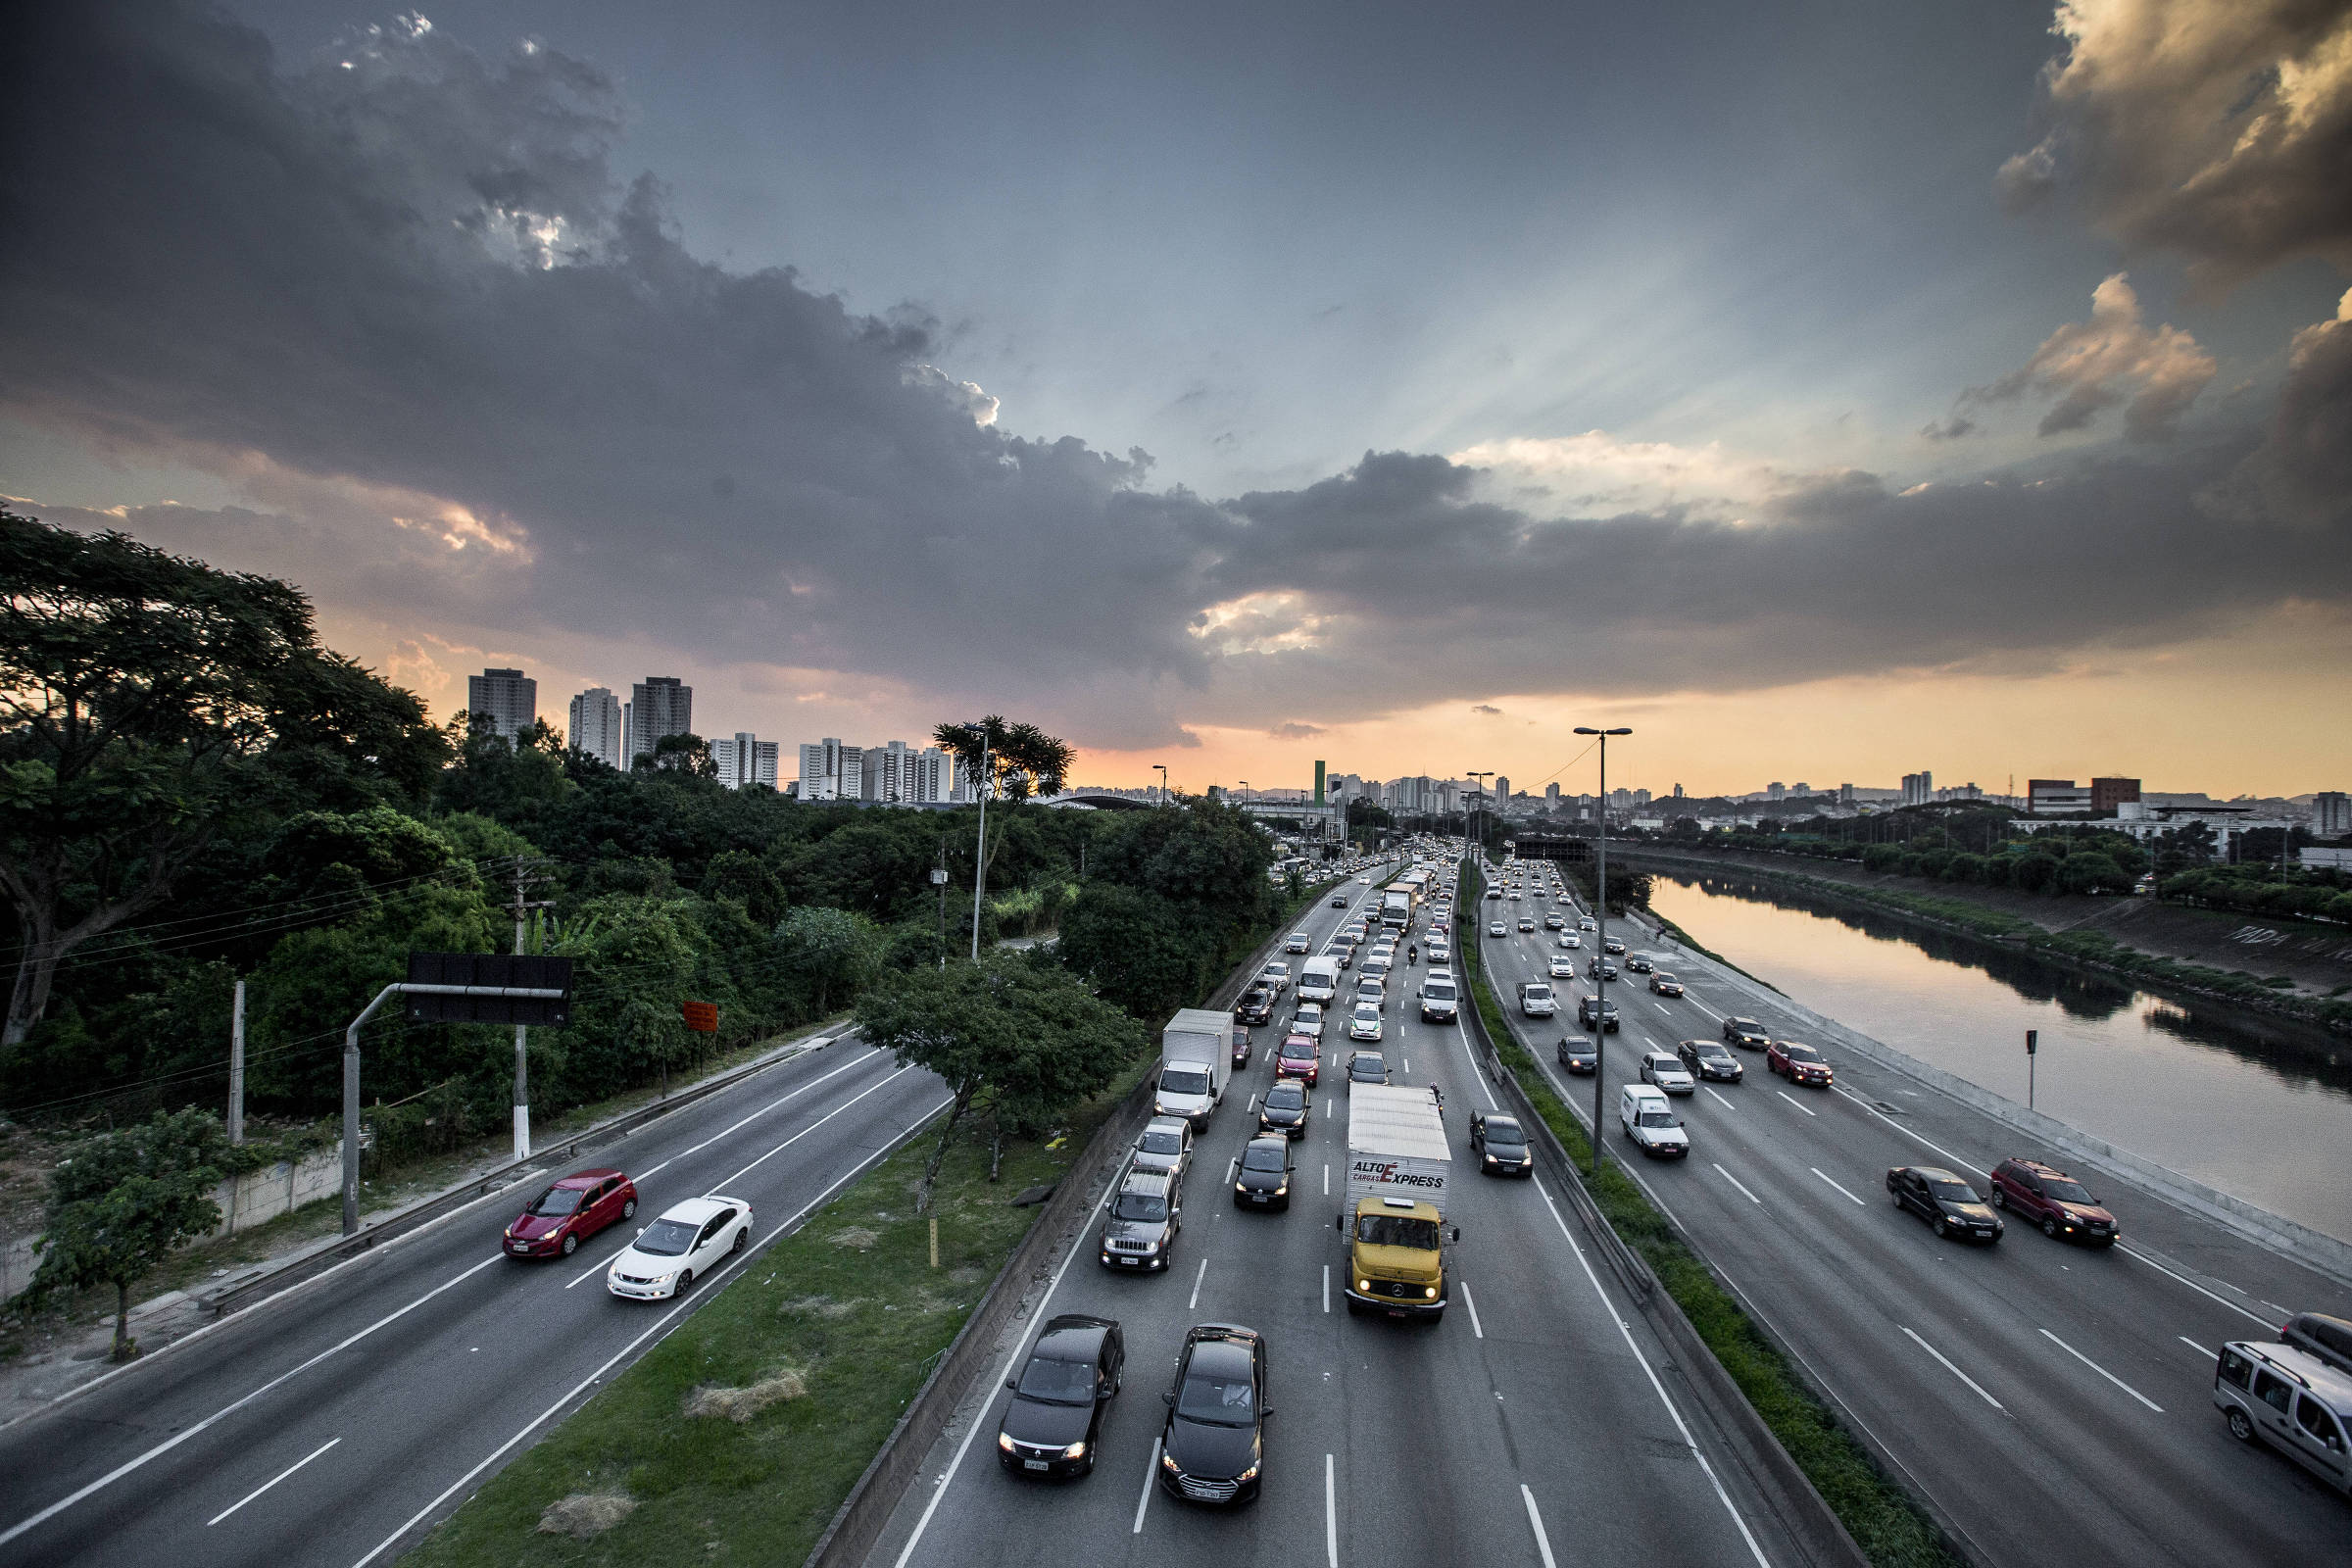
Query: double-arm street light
{"points": [[1600, 940], [1162, 768], [1480, 796]]}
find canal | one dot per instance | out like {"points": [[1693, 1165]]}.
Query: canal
{"points": [[2259, 1107]]}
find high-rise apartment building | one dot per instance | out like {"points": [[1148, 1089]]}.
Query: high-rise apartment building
{"points": [[1552, 793], [743, 759], [504, 702], [659, 706], [1776, 791], [2332, 814], [1503, 788], [1845, 794], [1919, 788], [900, 774], [831, 771], [1678, 793], [596, 726]]}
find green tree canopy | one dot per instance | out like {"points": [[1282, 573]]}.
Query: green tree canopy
{"points": [[120, 1202]]}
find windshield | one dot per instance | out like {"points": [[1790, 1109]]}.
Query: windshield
{"points": [[1659, 1118], [1714, 1052], [1163, 1142], [1310, 1012], [1438, 991], [666, 1237], [2060, 1191], [1397, 1230], [1298, 1050], [1140, 1206], [1058, 1382], [1261, 1160], [1953, 1192], [1286, 1095], [557, 1201], [1184, 1083], [1800, 1053], [1366, 1013], [1503, 1133], [1218, 1401]]}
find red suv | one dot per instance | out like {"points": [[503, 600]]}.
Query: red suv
{"points": [[1302, 1058], [570, 1212], [1799, 1064], [2042, 1195]]}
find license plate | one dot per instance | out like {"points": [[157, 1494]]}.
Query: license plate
{"points": [[1259, 1198], [1033, 1464], [522, 1246], [1129, 1262]]}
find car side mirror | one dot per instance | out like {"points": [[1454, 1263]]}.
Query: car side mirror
{"points": [[1168, 1400], [1453, 1233], [1012, 1383]]}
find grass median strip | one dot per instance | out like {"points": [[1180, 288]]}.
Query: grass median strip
{"points": [[1883, 1520]]}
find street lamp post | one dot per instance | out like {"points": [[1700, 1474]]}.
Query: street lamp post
{"points": [[1163, 781], [980, 850], [1480, 796], [1600, 940]]}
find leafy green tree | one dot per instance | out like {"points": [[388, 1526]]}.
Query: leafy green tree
{"points": [[1026, 1039], [1016, 761], [2091, 871], [743, 876], [827, 949], [120, 1202], [686, 753], [1134, 948]]}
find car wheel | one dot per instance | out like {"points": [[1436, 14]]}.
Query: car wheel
{"points": [[685, 1282], [571, 1245], [2049, 1227], [1940, 1227], [742, 1236], [2240, 1427], [2000, 1200], [628, 1210]]}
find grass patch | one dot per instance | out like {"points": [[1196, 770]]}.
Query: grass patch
{"points": [[1891, 1528]]}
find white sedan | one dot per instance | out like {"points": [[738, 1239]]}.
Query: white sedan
{"points": [[1497, 929], [1563, 967], [1569, 939], [1308, 1020], [689, 1239], [1365, 1025]]}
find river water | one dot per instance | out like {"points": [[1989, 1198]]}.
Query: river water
{"points": [[2259, 1107]]}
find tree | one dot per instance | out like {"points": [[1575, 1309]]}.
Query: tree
{"points": [[133, 686], [826, 947], [1134, 948], [686, 753], [1026, 1038], [121, 1202], [1021, 759]]}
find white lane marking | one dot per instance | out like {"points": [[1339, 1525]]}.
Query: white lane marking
{"points": [[174, 1441], [1331, 1513], [1956, 1372], [1736, 1182], [1702, 1006], [1232, 1165], [1471, 1302], [1907, 1132], [1461, 1032], [1327, 1286], [1197, 1279], [661, 1326], [1807, 1109], [1019, 1342], [1834, 1182], [1726, 1105], [1141, 1503], [1657, 1387], [725, 1181], [1327, 1104], [1254, 1101], [2160, 1270], [2194, 1345], [1543, 1540], [591, 1269], [271, 1482], [2102, 1371], [814, 1083], [1326, 1181], [1661, 1006], [1406, 1063]]}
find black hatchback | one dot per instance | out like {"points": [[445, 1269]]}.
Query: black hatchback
{"points": [[1950, 1206], [1747, 1032], [1706, 1059], [1214, 1443], [1054, 1418], [1263, 1179], [1578, 1055], [1500, 1144]]}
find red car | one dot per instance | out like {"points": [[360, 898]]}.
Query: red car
{"points": [[2041, 1195], [1241, 1044], [568, 1213], [1799, 1064], [1300, 1057]]}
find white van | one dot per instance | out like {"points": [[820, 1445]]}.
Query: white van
{"points": [[2291, 1399], [1651, 1122], [1320, 979]]}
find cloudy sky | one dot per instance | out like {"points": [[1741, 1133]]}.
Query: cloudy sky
{"points": [[1827, 391]]}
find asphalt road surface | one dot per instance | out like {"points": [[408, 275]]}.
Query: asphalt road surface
{"points": [[2054, 1401], [1537, 1423], [334, 1425]]}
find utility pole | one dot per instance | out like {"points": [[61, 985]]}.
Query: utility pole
{"points": [[1600, 940], [236, 1068], [939, 880], [980, 781], [522, 907]]}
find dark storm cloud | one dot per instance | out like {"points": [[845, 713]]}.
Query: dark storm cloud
{"points": [[467, 372]]}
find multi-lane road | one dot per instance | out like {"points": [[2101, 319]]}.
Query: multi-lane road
{"points": [[1538, 1423], [333, 1424], [2054, 1402]]}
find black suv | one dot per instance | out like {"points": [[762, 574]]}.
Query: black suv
{"points": [[1500, 1144], [1258, 1007], [1747, 1032], [1592, 1011], [1215, 1441], [1262, 1180], [1054, 1418], [1706, 1059]]}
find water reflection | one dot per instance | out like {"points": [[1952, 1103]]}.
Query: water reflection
{"points": [[2206, 1087]]}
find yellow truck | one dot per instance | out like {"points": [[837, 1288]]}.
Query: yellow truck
{"points": [[1398, 1171]]}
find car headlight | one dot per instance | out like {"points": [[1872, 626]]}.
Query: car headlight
{"points": [[1249, 1474], [1005, 1441], [1169, 1465], [1430, 1290], [1363, 1285], [1283, 1191], [1076, 1451]]}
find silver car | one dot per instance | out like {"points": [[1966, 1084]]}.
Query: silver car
{"points": [[1166, 1144]]}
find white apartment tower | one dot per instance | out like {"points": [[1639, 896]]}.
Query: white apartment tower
{"points": [[744, 759], [596, 726], [832, 771], [504, 701], [659, 706]]}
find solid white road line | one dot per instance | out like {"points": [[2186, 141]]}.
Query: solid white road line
{"points": [[1331, 1513], [1833, 1181], [2267, 1323], [1736, 1182], [725, 1181], [2102, 1371], [1956, 1372], [1543, 1540], [661, 1326], [177, 1439], [1327, 1286], [1702, 1006], [2194, 1345], [1404, 1063], [1657, 1387], [1327, 1181], [1327, 1104], [271, 1482], [585, 1273], [1232, 1165], [1907, 1132], [1142, 1502], [1799, 1104], [1020, 1340], [1726, 1105], [1471, 1302], [814, 1082], [1197, 1279]]}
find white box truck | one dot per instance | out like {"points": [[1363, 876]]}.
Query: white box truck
{"points": [[1398, 1172], [1196, 1062], [1319, 980]]}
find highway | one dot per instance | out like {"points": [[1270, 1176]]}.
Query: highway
{"points": [[1537, 1424], [2053, 1400], [333, 1424]]}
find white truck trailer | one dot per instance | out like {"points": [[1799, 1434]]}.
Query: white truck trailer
{"points": [[1399, 1170]]}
